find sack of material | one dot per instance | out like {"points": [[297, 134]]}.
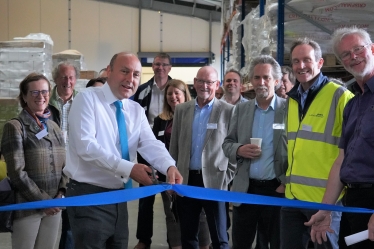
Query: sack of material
{"points": [[6, 198]]}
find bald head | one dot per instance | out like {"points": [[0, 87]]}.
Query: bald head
{"points": [[206, 84], [124, 73]]}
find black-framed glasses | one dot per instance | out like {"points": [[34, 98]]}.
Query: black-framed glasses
{"points": [[161, 64], [202, 82], [36, 93], [356, 50]]}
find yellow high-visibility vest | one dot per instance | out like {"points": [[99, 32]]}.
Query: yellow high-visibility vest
{"points": [[313, 142]]}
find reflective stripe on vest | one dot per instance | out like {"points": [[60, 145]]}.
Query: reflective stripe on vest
{"points": [[313, 142]]}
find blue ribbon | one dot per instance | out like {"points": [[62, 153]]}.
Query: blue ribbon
{"points": [[126, 195]]}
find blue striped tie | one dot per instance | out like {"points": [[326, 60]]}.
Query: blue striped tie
{"points": [[123, 136]]}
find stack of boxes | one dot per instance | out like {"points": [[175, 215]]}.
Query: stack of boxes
{"points": [[77, 59], [18, 58]]}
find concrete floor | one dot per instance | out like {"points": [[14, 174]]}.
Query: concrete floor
{"points": [[159, 227]]}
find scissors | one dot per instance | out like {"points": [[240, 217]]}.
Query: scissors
{"points": [[155, 181]]}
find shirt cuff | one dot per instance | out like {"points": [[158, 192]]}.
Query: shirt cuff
{"points": [[123, 170]]}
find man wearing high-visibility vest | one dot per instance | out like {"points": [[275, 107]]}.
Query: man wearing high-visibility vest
{"points": [[314, 124]]}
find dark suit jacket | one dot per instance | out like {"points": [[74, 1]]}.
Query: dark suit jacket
{"points": [[216, 170], [240, 132]]}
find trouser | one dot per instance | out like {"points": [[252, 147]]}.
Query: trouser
{"points": [[37, 231], [363, 198], [97, 227], [249, 218], [66, 239], [189, 210], [293, 229]]}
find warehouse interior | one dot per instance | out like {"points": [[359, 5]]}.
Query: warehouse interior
{"points": [[35, 35]]}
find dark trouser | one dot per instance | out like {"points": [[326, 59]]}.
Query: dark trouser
{"points": [[364, 198], [97, 227], [144, 230], [189, 210], [66, 239], [293, 229], [262, 240], [247, 217], [345, 229]]}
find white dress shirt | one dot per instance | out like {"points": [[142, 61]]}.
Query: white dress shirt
{"points": [[94, 155], [157, 102]]}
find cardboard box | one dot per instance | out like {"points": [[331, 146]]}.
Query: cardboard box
{"points": [[88, 74]]}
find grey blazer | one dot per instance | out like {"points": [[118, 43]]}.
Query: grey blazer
{"points": [[240, 132], [217, 172]]}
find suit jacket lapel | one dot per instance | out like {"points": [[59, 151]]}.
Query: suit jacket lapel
{"points": [[190, 111], [278, 119], [213, 119], [250, 118]]}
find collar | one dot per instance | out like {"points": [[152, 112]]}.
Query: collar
{"points": [[155, 84], [316, 84], [60, 99], [238, 101], [272, 103], [209, 104], [369, 85], [109, 96]]}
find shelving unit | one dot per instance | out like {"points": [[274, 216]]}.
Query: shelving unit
{"points": [[331, 67]]}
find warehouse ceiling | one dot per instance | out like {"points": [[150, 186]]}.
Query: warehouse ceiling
{"points": [[204, 9]]}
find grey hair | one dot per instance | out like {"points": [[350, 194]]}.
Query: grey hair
{"points": [[56, 70], [266, 59], [310, 42], [339, 34], [291, 76]]}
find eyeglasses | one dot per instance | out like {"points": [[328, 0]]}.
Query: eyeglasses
{"points": [[356, 50], [202, 82], [161, 64], [36, 93]]}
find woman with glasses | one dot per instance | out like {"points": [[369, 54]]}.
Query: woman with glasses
{"points": [[176, 92], [34, 151]]}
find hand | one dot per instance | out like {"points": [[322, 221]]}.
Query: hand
{"points": [[281, 189], [320, 223], [371, 228], [142, 174], [173, 175], [251, 151], [51, 211]]}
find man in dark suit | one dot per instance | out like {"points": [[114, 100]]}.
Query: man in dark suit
{"points": [[199, 128], [261, 169]]}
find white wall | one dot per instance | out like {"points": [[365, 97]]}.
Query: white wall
{"points": [[99, 30]]}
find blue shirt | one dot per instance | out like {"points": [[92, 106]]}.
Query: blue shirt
{"points": [[357, 138], [304, 94], [262, 168], [199, 128]]}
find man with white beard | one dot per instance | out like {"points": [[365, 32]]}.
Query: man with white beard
{"points": [[354, 168]]}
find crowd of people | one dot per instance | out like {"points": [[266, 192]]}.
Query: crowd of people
{"points": [[316, 141]]}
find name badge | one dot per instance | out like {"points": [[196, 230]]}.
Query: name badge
{"points": [[161, 133], [278, 126], [305, 127], [212, 126], [41, 134]]}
